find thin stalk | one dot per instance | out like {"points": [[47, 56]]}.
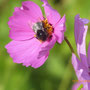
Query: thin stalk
{"points": [[69, 44]]}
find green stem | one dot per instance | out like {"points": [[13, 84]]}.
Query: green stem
{"points": [[69, 44]]}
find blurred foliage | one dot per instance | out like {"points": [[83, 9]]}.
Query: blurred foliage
{"points": [[57, 73]]}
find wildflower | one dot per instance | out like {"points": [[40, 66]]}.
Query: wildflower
{"points": [[77, 85], [82, 66], [34, 35]]}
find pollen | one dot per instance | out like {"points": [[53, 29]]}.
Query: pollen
{"points": [[48, 27], [35, 36]]}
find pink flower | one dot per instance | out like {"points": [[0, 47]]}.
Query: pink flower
{"points": [[34, 35], [77, 85], [82, 66]]}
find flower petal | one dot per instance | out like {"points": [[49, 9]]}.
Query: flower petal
{"points": [[81, 46], [60, 29], [22, 20], [20, 25], [33, 9], [47, 46], [88, 59], [81, 71], [77, 85], [44, 52], [75, 62], [80, 36], [85, 21], [17, 34], [51, 14], [61, 24], [89, 84], [79, 28], [39, 62], [59, 36], [27, 52]]}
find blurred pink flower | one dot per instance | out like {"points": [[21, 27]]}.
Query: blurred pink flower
{"points": [[77, 85], [34, 35], [82, 66]]}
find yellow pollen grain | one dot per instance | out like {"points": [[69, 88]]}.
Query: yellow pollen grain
{"points": [[35, 36], [48, 27], [39, 40]]}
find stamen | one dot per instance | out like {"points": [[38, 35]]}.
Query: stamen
{"points": [[48, 27]]}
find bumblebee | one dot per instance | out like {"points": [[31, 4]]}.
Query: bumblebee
{"points": [[41, 32]]}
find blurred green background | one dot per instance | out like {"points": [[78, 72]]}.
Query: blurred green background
{"points": [[57, 73]]}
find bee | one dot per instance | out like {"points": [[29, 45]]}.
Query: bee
{"points": [[41, 32]]}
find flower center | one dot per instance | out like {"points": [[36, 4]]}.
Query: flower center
{"points": [[43, 30]]}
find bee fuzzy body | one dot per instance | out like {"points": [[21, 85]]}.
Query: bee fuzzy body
{"points": [[42, 30]]}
